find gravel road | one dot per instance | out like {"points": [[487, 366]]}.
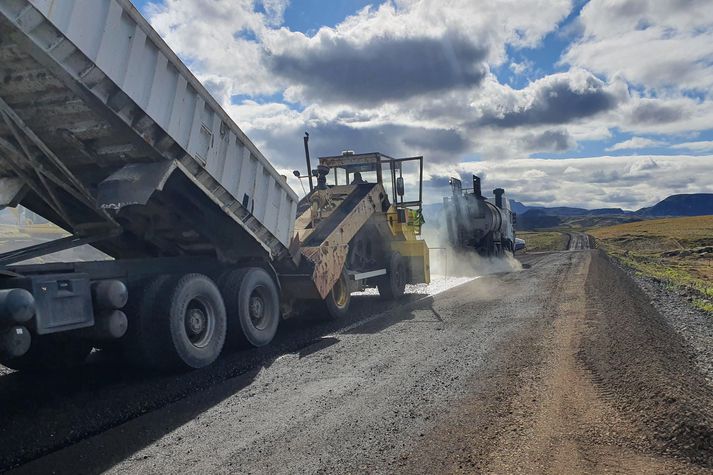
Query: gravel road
{"points": [[578, 241], [562, 367]]}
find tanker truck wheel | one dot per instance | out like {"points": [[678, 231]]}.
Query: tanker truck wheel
{"points": [[393, 285], [336, 305], [252, 304], [189, 323]]}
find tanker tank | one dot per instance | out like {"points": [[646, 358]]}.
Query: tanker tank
{"points": [[476, 224]]}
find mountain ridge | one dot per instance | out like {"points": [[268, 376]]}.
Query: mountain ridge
{"points": [[683, 204]]}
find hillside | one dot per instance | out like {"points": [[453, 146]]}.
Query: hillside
{"points": [[696, 204]]}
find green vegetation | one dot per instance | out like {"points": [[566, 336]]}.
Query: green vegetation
{"points": [[678, 251], [543, 241]]}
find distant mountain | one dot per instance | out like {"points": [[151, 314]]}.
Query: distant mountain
{"points": [[518, 207], [606, 212], [564, 211], [538, 219], [695, 204], [521, 208]]}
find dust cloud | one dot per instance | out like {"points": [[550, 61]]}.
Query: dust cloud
{"points": [[447, 262]]}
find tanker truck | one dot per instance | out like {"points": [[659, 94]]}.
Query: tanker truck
{"points": [[475, 224], [106, 133]]}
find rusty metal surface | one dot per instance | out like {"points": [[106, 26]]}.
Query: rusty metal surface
{"points": [[328, 253], [328, 261]]}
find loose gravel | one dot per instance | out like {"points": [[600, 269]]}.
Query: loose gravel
{"points": [[693, 324], [644, 368]]}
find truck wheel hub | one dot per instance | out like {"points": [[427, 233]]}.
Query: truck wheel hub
{"points": [[199, 327], [257, 310], [196, 321], [340, 293]]}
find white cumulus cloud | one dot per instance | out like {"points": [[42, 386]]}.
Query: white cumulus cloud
{"points": [[637, 142]]}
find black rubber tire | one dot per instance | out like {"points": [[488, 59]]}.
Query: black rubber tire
{"points": [[140, 345], [241, 287], [393, 285], [229, 283], [178, 347], [49, 353], [336, 305]]}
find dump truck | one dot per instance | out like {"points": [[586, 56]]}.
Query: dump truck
{"points": [[106, 133]]}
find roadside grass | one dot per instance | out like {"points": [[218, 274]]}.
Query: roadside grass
{"points": [[543, 241], [677, 251]]}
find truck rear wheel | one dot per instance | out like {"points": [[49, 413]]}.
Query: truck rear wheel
{"points": [[336, 305], [139, 344], [193, 321], [393, 285], [252, 303]]}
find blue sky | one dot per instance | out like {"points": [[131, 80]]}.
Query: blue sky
{"points": [[516, 85], [306, 16]]}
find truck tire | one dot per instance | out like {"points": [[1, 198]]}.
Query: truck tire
{"points": [[190, 314], [252, 304], [51, 353], [336, 305], [229, 283], [393, 285], [139, 346]]}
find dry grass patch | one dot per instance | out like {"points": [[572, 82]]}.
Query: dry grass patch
{"points": [[543, 241], [678, 251]]}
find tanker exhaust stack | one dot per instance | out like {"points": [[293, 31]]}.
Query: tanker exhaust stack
{"points": [[498, 193], [477, 191]]}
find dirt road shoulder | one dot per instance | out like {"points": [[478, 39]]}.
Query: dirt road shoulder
{"points": [[601, 385]]}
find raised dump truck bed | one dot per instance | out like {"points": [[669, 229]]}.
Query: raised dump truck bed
{"points": [[106, 133], [94, 95]]}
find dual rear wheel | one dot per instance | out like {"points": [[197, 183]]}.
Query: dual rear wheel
{"points": [[252, 302], [176, 322], [183, 322]]}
